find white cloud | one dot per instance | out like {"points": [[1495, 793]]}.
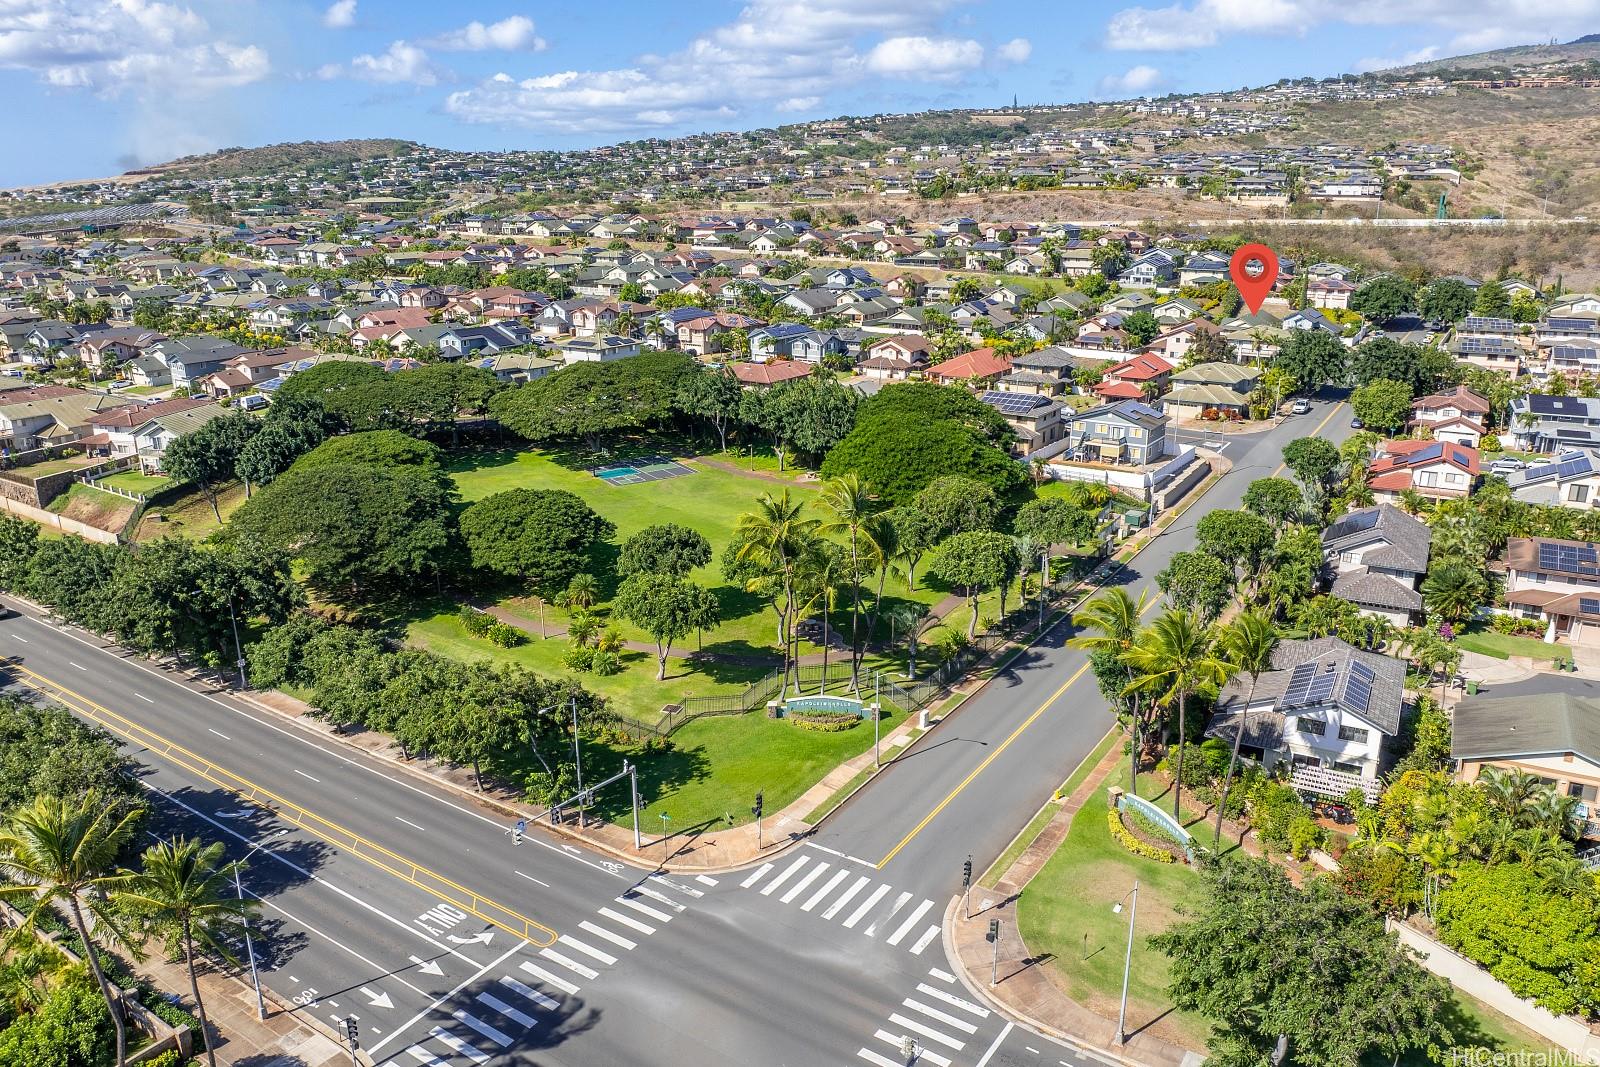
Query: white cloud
{"points": [[341, 15], [1421, 55], [772, 53], [924, 57], [1016, 50], [512, 34], [1135, 81], [799, 103], [1472, 23], [403, 63]]}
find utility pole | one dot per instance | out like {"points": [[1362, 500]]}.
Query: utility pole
{"points": [[756, 811], [249, 943], [664, 818], [994, 960], [877, 711], [577, 757], [1127, 962], [633, 786]]}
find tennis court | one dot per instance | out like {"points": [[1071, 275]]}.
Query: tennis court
{"points": [[646, 469]]}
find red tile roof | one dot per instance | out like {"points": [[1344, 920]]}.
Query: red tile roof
{"points": [[979, 363], [1120, 391], [1144, 367], [771, 373]]}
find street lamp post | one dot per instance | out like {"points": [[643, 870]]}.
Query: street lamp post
{"points": [[249, 943], [238, 649], [1127, 963]]}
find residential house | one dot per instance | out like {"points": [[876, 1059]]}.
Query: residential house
{"points": [[1125, 432], [516, 366], [978, 365], [1173, 345], [153, 437], [1557, 582], [1457, 415], [1555, 738], [1211, 390], [1309, 319], [105, 350], [597, 349], [896, 358], [1204, 268], [1329, 292], [1035, 419], [1435, 470], [1326, 708], [40, 416], [1141, 377], [1153, 269], [1378, 556], [1543, 423], [765, 375], [187, 359], [119, 426], [243, 373], [1570, 480], [1047, 372], [457, 342]]}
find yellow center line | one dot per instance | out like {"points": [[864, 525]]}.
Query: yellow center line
{"points": [[1042, 708], [430, 882]]}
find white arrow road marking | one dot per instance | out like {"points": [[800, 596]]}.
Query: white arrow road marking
{"points": [[237, 813], [427, 966], [377, 1000], [476, 939]]}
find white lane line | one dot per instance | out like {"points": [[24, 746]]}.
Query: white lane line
{"points": [[816, 898], [661, 879], [644, 909], [531, 878], [922, 1054], [220, 734], [800, 886], [1001, 1036], [570, 964], [951, 999], [424, 1057], [943, 976], [601, 931], [529, 993], [883, 920], [24, 640], [925, 940], [303, 774], [943, 1016], [866, 906], [550, 979], [459, 1045], [499, 1037], [877, 1060], [80, 666], [659, 897], [144, 698], [588, 950], [759, 873], [784, 875], [618, 917], [705, 879], [927, 1031], [516, 1015], [911, 920], [838, 905], [409, 823]]}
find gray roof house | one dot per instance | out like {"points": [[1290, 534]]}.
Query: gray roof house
{"points": [[1378, 556], [1325, 708], [1127, 432], [1541, 423]]}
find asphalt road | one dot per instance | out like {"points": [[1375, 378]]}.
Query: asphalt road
{"points": [[376, 887]]}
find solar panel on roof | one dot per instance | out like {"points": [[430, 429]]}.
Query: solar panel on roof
{"points": [[1299, 684], [1423, 455], [1358, 687], [1322, 685], [1356, 522], [1589, 605]]}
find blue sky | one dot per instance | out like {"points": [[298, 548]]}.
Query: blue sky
{"points": [[97, 86]]}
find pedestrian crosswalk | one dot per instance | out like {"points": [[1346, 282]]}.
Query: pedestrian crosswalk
{"points": [[933, 1024], [837, 894], [536, 991]]}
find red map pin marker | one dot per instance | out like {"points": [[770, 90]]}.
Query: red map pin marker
{"points": [[1254, 268]]}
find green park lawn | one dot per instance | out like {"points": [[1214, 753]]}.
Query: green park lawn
{"points": [[188, 514], [133, 481], [1486, 642]]}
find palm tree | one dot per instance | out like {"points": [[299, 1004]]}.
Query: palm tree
{"points": [[850, 506], [909, 615], [182, 889], [1247, 646], [1175, 656], [1453, 590], [774, 536], [1115, 616], [581, 593], [61, 852]]}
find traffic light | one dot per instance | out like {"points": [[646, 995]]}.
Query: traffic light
{"points": [[994, 931], [518, 830], [351, 1033], [756, 810], [966, 873]]}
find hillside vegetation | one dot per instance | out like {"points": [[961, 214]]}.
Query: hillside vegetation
{"points": [[269, 159]]}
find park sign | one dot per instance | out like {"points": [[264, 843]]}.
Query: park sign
{"points": [[824, 705]]}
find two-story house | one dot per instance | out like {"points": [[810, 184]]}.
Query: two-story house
{"points": [[1557, 582], [1555, 738], [1125, 432], [1457, 415], [1035, 419], [1542, 423], [1152, 269], [1378, 557], [1436, 470], [1141, 377], [1223, 388], [1326, 708], [896, 358], [1047, 371], [1570, 480]]}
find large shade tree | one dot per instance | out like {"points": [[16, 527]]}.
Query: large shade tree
{"points": [[541, 537]]}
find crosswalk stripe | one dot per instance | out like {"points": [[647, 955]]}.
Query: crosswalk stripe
{"points": [[927, 1031], [490, 1032], [618, 917], [760, 873], [943, 976], [657, 896], [922, 1053], [942, 1016], [859, 913], [689, 889], [879, 1061], [570, 964], [459, 1045], [800, 886], [529, 993], [601, 931], [838, 905], [923, 941], [516, 1015], [549, 979], [705, 879], [827, 887], [424, 1057], [882, 920], [645, 909], [951, 999], [588, 950], [784, 875], [905, 927]]}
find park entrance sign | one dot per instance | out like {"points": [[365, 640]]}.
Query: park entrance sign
{"points": [[824, 705]]}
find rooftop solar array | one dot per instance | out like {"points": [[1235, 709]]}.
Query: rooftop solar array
{"points": [[1358, 690], [1486, 324], [1355, 522], [1589, 605], [1322, 684], [1572, 325], [1485, 345], [1299, 685], [1014, 403], [1425, 455], [1570, 559]]}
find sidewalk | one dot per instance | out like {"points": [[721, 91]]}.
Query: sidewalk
{"points": [[1026, 990]]}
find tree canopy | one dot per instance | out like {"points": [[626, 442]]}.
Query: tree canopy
{"points": [[1446, 299], [591, 400], [666, 548], [541, 537], [1382, 403], [378, 448], [1312, 358], [1385, 297]]}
